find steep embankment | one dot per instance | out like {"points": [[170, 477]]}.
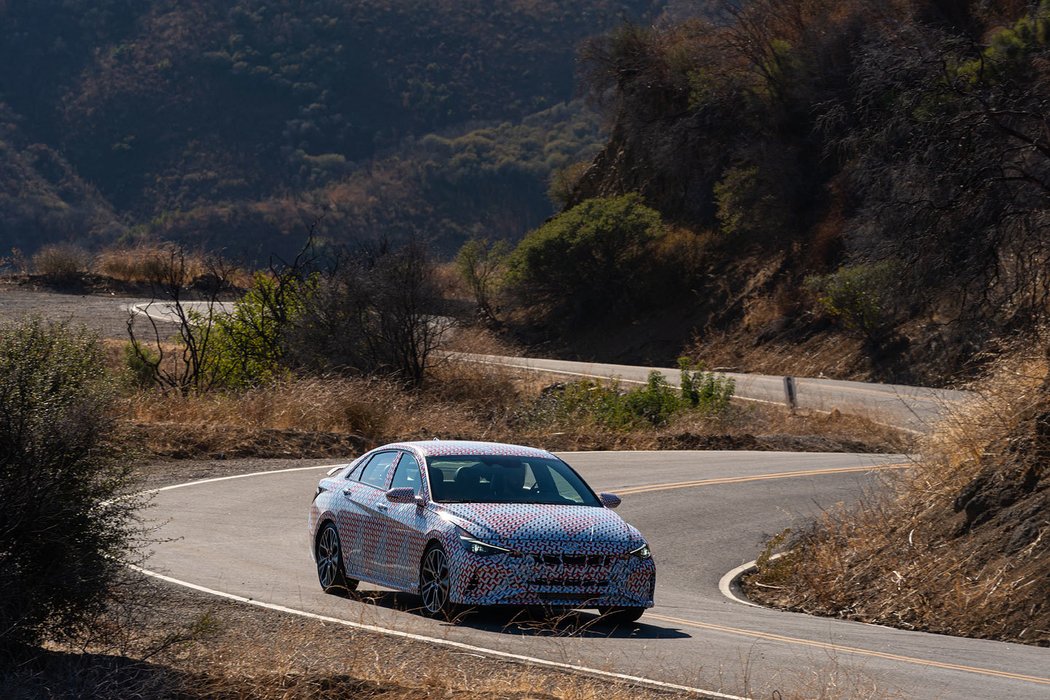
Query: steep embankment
{"points": [[960, 545]]}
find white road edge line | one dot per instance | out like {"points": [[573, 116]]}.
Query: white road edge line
{"points": [[637, 680], [725, 584]]}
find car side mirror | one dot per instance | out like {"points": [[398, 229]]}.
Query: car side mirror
{"points": [[402, 494], [609, 500]]}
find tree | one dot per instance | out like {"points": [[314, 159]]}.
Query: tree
{"points": [[377, 311], [481, 264], [65, 535], [186, 365], [954, 164], [591, 261]]}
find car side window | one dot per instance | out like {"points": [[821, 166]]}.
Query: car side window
{"points": [[407, 474], [354, 470], [377, 470]]}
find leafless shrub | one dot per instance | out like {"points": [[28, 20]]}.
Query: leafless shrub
{"points": [[377, 312], [61, 261], [187, 365]]}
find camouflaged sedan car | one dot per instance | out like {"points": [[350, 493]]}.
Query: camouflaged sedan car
{"points": [[471, 524]]}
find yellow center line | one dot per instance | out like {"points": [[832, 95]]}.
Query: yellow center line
{"points": [[853, 650], [761, 477]]}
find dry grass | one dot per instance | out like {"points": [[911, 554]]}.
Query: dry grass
{"points": [[959, 544], [145, 263], [148, 263], [196, 646], [61, 261], [339, 416], [234, 651]]}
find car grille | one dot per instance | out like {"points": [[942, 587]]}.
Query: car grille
{"points": [[574, 559], [561, 582]]}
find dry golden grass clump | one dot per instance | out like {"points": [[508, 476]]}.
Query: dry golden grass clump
{"points": [[145, 263], [960, 543], [61, 261]]}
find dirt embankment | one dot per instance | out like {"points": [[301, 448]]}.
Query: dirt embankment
{"points": [[960, 546]]}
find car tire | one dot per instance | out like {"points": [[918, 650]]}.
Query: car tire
{"points": [[620, 616], [435, 583], [331, 572]]}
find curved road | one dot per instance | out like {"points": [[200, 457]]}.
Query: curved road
{"points": [[704, 514]]}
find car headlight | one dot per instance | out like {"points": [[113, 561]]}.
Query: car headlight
{"points": [[642, 552], [476, 546]]}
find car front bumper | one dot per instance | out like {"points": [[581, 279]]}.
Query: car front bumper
{"points": [[585, 580]]}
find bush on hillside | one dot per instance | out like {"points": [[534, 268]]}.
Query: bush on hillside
{"points": [[590, 262], [63, 537], [861, 296]]}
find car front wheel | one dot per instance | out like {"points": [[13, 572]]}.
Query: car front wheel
{"points": [[435, 583], [331, 573]]}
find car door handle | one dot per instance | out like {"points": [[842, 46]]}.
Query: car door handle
{"points": [[382, 506]]}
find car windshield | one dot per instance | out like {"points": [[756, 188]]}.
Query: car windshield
{"points": [[502, 479]]}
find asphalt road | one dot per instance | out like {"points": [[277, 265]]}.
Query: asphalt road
{"points": [[247, 536]]}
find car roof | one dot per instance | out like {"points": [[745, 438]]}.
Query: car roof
{"points": [[444, 448]]}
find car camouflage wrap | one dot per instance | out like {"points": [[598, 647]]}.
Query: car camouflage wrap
{"points": [[498, 553]]}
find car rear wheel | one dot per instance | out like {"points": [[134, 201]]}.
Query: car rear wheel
{"points": [[331, 573], [435, 583], [620, 616]]}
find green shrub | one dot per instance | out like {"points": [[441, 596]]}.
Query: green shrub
{"points": [[64, 537], [861, 296], [248, 345], [705, 391], [652, 405], [655, 403], [591, 261], [139, 364], [482, 263]]}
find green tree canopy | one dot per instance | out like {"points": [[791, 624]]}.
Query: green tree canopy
{"points": [[589, 262]]}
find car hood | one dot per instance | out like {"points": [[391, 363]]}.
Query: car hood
{"points": [[508, 522]]}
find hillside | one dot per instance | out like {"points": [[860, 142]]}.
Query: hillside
{"points": [[235, 123], [958, 544], [859, 189]]}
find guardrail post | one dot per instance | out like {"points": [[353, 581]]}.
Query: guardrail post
{"points": [[790, 395]]}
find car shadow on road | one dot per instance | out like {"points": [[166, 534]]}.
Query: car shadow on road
{"points": [[530, 621]]}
